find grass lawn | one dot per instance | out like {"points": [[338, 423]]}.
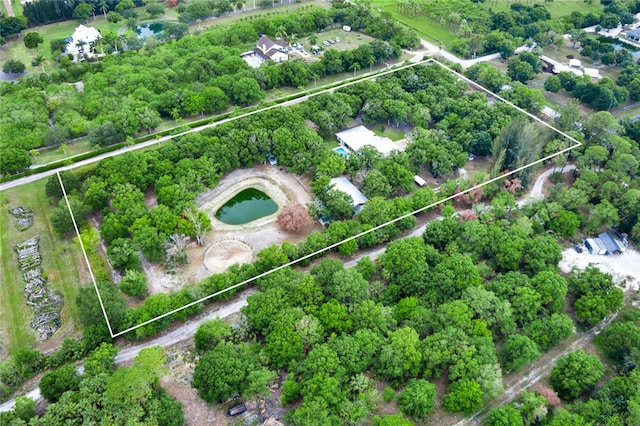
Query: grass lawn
{"points": [[557, 8], [60, 263], [55, 154], [390, 132], [628, 113], [424, 26]]}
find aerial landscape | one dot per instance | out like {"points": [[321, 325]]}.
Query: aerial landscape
{"points": [[319, 212]]}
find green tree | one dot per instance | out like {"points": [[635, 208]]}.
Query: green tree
{"points": [[13, 66], [506, 415], [82, 12], [552, 84], [518, 351], [391, 420], [134, 284], [418, 399], [223, 371], [210, 333], [464, 395], [401, 358], [123, 254], [61, 218], [575, 373], [32, 40], [56, 382], [13, 160], [620, 342], [246, 91], [25, 408]]}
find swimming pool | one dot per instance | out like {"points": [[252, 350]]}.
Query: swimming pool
{"points": [[340, 150], [253, 61]]}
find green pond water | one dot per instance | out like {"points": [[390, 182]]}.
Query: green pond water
{"points": [[246, 206]]}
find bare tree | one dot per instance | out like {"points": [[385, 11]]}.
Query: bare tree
{"points": [[175, 247], [200, 221], [293, 217]]}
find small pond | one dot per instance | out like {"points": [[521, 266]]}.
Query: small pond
{"points": [[151, 29], [246, 206]]}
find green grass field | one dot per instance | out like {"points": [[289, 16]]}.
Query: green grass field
{"points": [[61, 260], [390, 132]]}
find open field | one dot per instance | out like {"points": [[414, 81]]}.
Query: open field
{"points": [[55, 154], [425, 27], [60, 263], [557, 8]]}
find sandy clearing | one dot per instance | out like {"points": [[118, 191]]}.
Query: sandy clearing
{"points": [[622, 267]]}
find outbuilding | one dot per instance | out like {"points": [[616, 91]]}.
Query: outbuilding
{"points": [[343, 184]]}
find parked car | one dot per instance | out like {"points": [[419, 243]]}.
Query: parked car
{"points": [[578, 248], [236, 410]]}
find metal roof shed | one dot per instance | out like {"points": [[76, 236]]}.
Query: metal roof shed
{"points": [[609, 243]]}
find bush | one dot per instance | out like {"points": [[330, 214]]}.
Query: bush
{"points": [[54, 383], [13, 67], [388, 394], [134, 284]]}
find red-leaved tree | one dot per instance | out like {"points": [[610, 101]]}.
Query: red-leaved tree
{"points": [[293, 217]]}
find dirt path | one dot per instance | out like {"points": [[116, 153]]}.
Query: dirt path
{"points": [[9, 8]]}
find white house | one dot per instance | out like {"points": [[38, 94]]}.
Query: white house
{"points": [[343, 184], [82, 40], [276, 50], [360, 136]]}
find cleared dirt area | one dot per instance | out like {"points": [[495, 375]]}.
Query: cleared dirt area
{"points": [[226, 245]]}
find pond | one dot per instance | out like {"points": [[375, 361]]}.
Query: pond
{"points": [[151, 29], [617, 45], [246, 206]]}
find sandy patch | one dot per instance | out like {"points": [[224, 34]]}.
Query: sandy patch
{"points": [[223, 254], [623, 267]]}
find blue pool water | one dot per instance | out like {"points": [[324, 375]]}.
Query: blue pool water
{"points": [[340, 150]]}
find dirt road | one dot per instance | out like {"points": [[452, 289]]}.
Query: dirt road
{"points": [[9, 8]]}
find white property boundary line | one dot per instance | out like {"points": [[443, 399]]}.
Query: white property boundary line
{"points": [[84, 253], [329, 247]]}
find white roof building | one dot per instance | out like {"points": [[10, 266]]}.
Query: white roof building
{"points": [[82, 39], [360, 136], [575, 63], [343, 184]]}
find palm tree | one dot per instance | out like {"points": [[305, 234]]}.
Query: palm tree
{"points": [[313, 39], [34, 153], [292, 39], [64, 148], [40, 60], [355, 67], [175, 114], [103, 7]]}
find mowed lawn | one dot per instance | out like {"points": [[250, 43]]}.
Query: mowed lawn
{"points": [[60, 260]]}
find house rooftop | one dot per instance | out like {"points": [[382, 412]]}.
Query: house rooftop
{"points": [[360, 136]]}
